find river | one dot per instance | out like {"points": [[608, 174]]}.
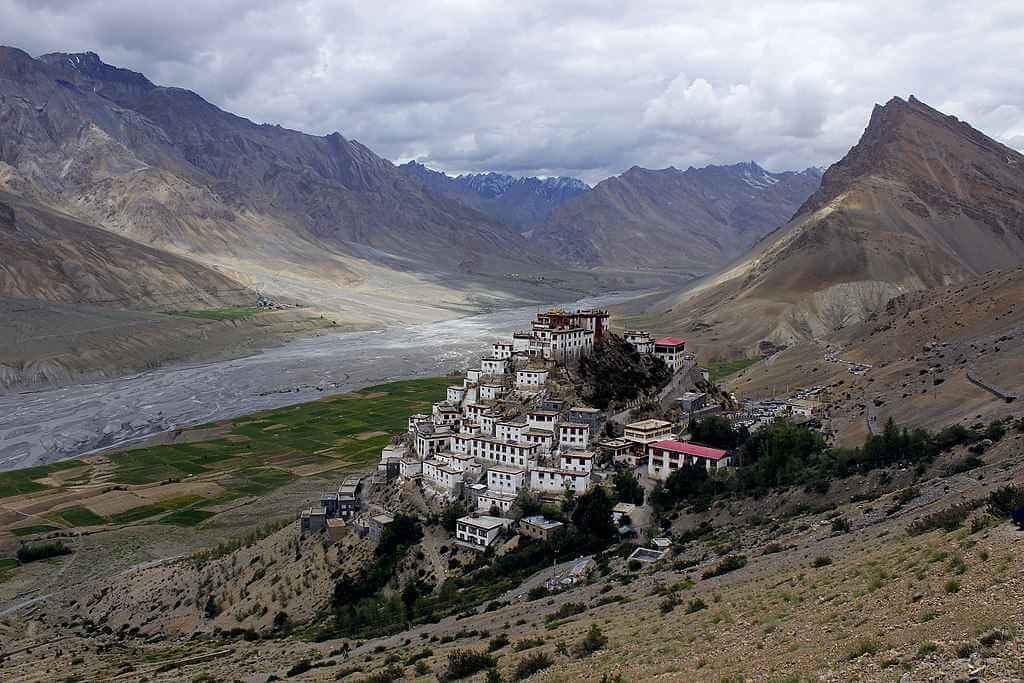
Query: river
{"points": [[44, 426]]}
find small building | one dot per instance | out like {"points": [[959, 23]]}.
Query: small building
{"points": [[539, 527], [504, 479], [312, 520], [592, 417], [639, 340], [411, 468], [416, 420], [491, 392], [510, 430], [442, 477], [488, 419], [664, 457], [502, 350], [647, 555], [473, 376], [521, 342], [500, 452], [473, 493], [692, 401], [431, 440], [390, 464], [554, 480], [541, 438], [623, 451], [478, 533], [489, 501], [336, 529], [623, 511], [456, 394], [671, 350], [573, 435], [445, 413], [577, 461], [528, 378], [376, 525], [542, 419], [647, 431], [493, 366]]}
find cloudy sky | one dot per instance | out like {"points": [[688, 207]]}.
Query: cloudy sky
{"points": [[575, 87]]}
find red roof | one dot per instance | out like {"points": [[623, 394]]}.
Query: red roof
{"points": [[687, 448], [670, 341]]}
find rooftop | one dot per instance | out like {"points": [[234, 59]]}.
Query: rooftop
{"points": [[542, 522], [576, 425], [648, 424], [585, 409], [505, 469], [484, 522], [692, 449], [670, 341]]}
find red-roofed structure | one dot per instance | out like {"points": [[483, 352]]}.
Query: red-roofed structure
{"points": [[664, 457], [670, 350]]}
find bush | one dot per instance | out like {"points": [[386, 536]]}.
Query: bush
{"points": [[31, 552], [952, 586], [567, 610], [821, 561], [388, 675], [300, 667], [527, 643], [863, 647], [465, 663], [949, 519], [840, 525], [592, 642], [531, 665], [497, 643], [1005, 501], [729, 564], [537, 592], [635, 565], [695, 605]]}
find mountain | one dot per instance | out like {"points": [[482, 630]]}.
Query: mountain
{"points": [[923, 200], [520, 203], [318, 218], [691, 220]]}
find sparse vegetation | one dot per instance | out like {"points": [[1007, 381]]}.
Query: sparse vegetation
{"points": [[33, 552], [950, 519], [532, 664], [616, 372], [729, 564], [594, 641], [465, 663]]}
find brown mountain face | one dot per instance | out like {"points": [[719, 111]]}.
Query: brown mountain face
{"points": [[691, 220], [923, 200], [290, 212]]}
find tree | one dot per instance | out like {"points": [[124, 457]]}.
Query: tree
{"points": [[568, 500], [528, 504], [716, 431], [593, 515], [628, 488]]}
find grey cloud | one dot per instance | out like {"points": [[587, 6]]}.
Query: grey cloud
{"points": [[582, 87]]}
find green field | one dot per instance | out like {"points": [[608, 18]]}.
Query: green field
{"points": [[229, 313], [78, 516], [7, 567], [254, 454], [20, 481], [721, 369], [35, 529]]}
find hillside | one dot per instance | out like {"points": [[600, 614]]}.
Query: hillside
{"points": [[922, 201], [692, 220], [520, 203], [318, 219]]}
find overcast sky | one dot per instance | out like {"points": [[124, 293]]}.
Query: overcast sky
{"points": [[575, 87]]}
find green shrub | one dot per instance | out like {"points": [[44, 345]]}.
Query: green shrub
{"points": [[729, 564], [388, 675], [863, 647], [695, 605], [927, 649], [840, 525], [1003, 502], [465, 663], [531, 665], [952, 586], [821, 561], [635, 565], [527, 643], [32, 552], [567, 610], [497, 643], [949, 519], [592, 642]]}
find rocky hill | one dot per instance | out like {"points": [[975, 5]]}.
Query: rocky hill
{"points": [[922, 201], [520, 203], [686, 220], [295, 213]]}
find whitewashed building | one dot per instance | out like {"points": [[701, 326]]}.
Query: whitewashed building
{"points": [[480, 532], [665, 457], [556, 480], [542, 419], [489, 501], [491, 392], [493, 366], [456, 394], [504, 479], [528, 378], [510, 430], [502, 350], [671, 350], [541, 438], [639, 340], [572, 435], [411, 468], [647, 431], [577, 461], [500, 452], [442, 477]]}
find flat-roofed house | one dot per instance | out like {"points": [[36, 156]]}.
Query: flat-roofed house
{"points": [[592, 417], [493, 366], [489, 501], [411, 468], [573, 435], [478, 533], [557, 480], [671, 350], [664, 457], [312, 520], [543, 439], [491, 392], [510, 430], [504, 479], [416, 420], [498, 452], [539, 527], [639, 340], [376, 525], [577, 461], [432, 440], [542, 419], [623, 451], [502, 350], [445, 413], [442, 478], [647, 431], [456, 393], [531, 378]]}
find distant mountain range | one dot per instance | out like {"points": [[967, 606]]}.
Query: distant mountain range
{"points": [[922, 201], [520, 203], [694, 219]]}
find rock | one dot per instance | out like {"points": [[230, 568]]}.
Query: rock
{"points": [[905, 678]]}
